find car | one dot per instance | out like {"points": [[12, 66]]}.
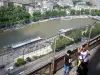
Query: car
{"points": [[21, 73], [2, 66], [10, 68]]}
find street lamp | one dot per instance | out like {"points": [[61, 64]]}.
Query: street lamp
{"points": [[24, 58], [54, 48], [90, 33]]}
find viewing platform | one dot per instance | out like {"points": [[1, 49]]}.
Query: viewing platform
{"points": [[94, 64]]}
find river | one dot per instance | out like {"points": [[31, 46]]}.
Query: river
{"points": [[44, 29]]}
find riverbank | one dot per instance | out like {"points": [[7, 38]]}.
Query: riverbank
{"points": [[18, 26], [57, 18]]}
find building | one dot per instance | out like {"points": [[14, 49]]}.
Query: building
{"points": [[85, 0], [3, 3], [65, 2], [95, 2], [47, 5]]}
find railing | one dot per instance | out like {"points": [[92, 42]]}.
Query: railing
{"points": [[59, 61]]}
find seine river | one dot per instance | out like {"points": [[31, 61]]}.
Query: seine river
{"points": [[43, 29]]}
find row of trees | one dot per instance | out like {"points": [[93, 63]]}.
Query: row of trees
{"points": [[76, 34], [48, 14], [21, 61], [10, 16], [61, 43], [92, 12]]}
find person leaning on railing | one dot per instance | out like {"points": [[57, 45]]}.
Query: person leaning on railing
{"points": [[83, 55]]}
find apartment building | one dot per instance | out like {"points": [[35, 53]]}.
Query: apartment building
{"points": [[95, 2], [3, 3]]}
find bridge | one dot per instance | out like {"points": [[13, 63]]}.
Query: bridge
{"points": [[44, 65]]}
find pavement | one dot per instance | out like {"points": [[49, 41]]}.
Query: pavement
{"points": [[94, 64], [71, 72], [61, 72]]}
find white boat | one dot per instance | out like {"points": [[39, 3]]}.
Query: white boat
{"points": [[65, 18], [25, 42], [65, 30]]}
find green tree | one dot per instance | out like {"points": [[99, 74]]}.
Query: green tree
{"points": [[88, 3], [82, 11], [61, 43], [74, 3], [28, 59], [93, 13], [86, 11], [78, 12], [72, 12], [20, 61], [11, 15], [37, 16]]}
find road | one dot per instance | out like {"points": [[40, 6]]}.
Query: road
{"points": [[94, 64]]}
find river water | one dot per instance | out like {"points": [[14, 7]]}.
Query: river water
{"points": [[43, 29]]}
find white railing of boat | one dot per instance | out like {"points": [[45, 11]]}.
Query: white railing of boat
{"points": [[25, 42]]}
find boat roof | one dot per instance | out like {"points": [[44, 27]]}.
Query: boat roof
{"points": [[65, 30], [25, 42]]}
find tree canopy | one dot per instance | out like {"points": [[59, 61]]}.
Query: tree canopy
{"points": [[10, 16]]}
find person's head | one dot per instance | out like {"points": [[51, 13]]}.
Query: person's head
{"points": [[85, 47], [69, 52]]}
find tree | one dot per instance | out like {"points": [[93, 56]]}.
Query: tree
{"points": [[11, 15], [89, 4], [82, 11], [72, 12], [97, 12], [28, 59], [77, 12], [37, 16], [61, 43], [67, 7], [74, 3], [20, 61], [86, 11], [93, 13]]}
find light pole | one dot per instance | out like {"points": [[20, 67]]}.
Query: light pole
{"points": [[24, 58], [54, 48], [13, 55], [90, 33], [2, 58]]}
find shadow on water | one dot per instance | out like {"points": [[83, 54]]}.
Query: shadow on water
{"points": [[94, 64]]}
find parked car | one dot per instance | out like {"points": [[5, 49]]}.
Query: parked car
{"points": [[10, 68], [2, 66]]}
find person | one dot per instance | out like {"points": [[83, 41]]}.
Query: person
{"points": [[82, 70], [66, 69], [67, 62], [84, 54]]}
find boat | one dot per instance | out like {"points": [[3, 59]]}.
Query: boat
{"points": [[65, 18], [65, 30], [20, 44]]}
